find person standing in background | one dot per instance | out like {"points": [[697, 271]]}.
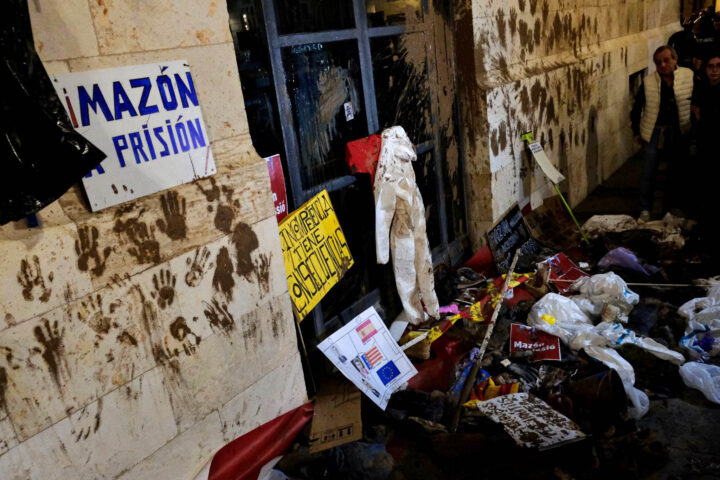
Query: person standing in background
{"points": [[684, 43], [706, 110], [660, 121]]}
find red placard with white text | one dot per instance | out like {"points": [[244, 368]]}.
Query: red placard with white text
{"points": [[277, 184], [563, 272], [541, 345]]}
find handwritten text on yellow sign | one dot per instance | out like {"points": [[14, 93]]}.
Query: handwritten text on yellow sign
{"points": [[315, 251]]}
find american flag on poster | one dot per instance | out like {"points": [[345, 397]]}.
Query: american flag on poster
{"points": [[365, 352], [366, 330], [372, 357]]}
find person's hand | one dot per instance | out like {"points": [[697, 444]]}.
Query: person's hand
{"points": [[638, 139]]}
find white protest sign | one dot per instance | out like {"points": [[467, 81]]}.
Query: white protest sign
{"points": [[543, 162], [147, 120], [365, 352]]}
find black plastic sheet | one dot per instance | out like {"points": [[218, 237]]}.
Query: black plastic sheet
{"points": [[42, 156]]}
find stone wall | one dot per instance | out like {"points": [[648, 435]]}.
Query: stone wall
{"points": [[560, 69], [128, 350]]}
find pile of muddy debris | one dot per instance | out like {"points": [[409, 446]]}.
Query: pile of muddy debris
{"points": [[543, 365]]}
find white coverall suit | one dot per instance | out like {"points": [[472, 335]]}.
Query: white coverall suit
{"points": [[400, 223]]}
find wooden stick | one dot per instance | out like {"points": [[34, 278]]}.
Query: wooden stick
{"points": [[572, 215], [559, 280], [306, 357], [414, 341], [470, 382]]}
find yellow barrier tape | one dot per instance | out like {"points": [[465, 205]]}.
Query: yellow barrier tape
{"points": [[492, 290], [472, 313]]}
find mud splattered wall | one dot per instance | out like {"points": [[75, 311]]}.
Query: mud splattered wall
{"points": [[560, 69], [136, 341]]}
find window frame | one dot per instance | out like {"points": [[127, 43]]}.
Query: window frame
{"points": [[450, 252]]}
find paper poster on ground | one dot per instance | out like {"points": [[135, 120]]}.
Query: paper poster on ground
{"points": [[530, 421], [365, 352], [315, 252]]}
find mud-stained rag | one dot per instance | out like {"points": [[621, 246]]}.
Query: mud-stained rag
{"points": [[400, 226]]}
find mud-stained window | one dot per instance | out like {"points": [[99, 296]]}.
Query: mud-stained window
{"points": [[392, 12], [296, 16], [317, 74], [402, 90], [425, 177], [325, 89], [253, 60]]}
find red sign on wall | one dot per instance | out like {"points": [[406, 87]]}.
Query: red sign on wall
{"points": [[277, 184]]}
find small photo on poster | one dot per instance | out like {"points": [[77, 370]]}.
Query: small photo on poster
{"points": [[376, 365]]}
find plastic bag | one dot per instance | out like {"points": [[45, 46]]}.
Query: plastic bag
{"points": [[604, 289], [559, 316], [562, 317], [702, 339], [618, 335], [692, 308], [41, 153], [624, 258], [703, 377], [638, 398], [702, 333]]}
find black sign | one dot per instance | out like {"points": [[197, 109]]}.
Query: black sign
{"points": [[509, 234]]}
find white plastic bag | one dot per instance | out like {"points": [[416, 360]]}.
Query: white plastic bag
{"points": [[701, 339], [604, 289], [695, 306], [638, 398], [702, 333], [559, 316], [617, 335], [562, 317], [703, 377]]}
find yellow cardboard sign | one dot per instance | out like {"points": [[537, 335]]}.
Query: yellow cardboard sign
{"points": [[315, 251]]}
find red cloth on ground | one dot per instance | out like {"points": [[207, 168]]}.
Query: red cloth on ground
{"points": [[243, 458], [482, 262], [434, 373]]}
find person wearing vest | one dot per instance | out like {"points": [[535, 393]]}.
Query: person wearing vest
{"points": [[660, 121]]}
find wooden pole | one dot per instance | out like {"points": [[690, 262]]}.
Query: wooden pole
{"points": [[478, 360], [572, 215], [640, 284]]}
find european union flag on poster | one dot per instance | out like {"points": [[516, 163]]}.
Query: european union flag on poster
{"points": [[388, 372]]}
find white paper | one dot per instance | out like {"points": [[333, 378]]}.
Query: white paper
{"points": [[544, 163], [349, 113], [397, 328], [367, 355]]}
